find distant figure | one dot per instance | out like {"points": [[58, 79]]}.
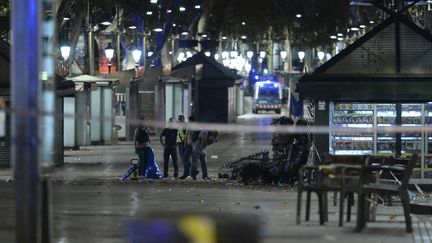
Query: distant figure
{"points": [[147, 167], [142, 147], [201, 140], [168, 140], [187, 152], [181, 137]]}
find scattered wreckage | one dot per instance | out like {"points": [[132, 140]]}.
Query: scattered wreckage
{"points": [[290, 152]]}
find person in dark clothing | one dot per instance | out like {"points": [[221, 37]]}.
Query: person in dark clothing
{"points": [[187, 152], [142, 147], [168, 140]]}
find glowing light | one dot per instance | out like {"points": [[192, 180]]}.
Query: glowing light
{"points": [[233, 54], [243, 37], [189, 54], [262, 54], [301, 55], [181, 56], [298, 15], [225, 55], [216, 56], [207, 53], [149, 13], [109, 52], [333, 37], [106, 23], [249, 54], [283, 54], [182, 9], [136, 55], [132, 27], [265, 71], [321, 55], [65, 52], [185, 33], [158, 29], [197, 6]]}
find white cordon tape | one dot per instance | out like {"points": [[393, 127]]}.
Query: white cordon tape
{"points": [[239, 128]]}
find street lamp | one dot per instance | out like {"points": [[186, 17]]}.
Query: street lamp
{"points": [[109, 54], [301, 56], [321, 55], [136, 55], [283, 55], [262, 54], [249, 54], [65, 52]]}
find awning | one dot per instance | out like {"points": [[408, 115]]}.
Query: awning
{"points": [[392, 62], [366, 88]]}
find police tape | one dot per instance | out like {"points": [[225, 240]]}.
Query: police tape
{"points": [[263, 125]]}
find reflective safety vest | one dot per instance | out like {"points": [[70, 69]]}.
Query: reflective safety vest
{"points": [[181, 136]]}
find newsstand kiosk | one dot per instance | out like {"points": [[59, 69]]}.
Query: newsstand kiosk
{"points": [[383, 79]]}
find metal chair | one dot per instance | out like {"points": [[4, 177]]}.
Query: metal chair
{"points": [[402, 171], [339, 175]]}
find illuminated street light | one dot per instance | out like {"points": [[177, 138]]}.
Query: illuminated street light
{"points": [[189, 54], [320, 55], [136, 55], [234, 54], [182, 9], [249, 54], [106, 23], [225, 55], [150, 53], [158, 29], [180, 56], [283, 54], [298, 15], [109, 54], [333, 37], [216, 56], [262, 54], [301, 55], [197, 6], [65, 52], [207, 53]]}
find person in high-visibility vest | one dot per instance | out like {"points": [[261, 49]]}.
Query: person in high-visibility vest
{"points": [[181, 137]]}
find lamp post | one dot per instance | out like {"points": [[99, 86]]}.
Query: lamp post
{"points": [[65, 52], [109, 54], [301, 56], [136, 55], [283, 55], [320, 55]]}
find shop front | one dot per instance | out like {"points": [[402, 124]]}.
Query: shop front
{"points": [[382, 80]]}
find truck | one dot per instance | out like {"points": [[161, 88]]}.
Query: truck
{"points": [[267, 96]]}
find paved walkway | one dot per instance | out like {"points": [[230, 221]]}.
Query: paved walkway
{"points": [[90, 204]]}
